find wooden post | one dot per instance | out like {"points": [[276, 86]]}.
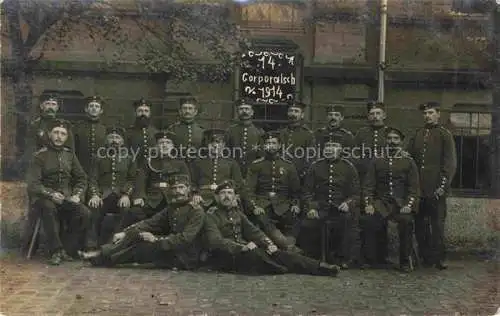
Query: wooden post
{"points": [[495, 116]]}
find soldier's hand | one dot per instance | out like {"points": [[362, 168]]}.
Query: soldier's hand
{"points": [[139, 202], [272, 249], [250, 246], [57, 197], [439, 193], [295, 209], [344, 207], [124, 202], [118, 237], [405, 210], [369, 209], [197, 199], [312, 214], [95, 201], [147, 236], [259, 211], [74, 199]]}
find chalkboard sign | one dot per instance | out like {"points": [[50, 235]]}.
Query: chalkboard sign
{"points": [[268, 77]]}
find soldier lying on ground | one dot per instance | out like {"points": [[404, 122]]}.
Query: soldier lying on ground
{"points": [[168, 239], [237, 245]]}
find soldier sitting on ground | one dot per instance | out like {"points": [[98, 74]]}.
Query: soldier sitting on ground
{"points": [[151, 194], [112, 181], [57, 184], [206, 172], [237, 245], [169, 239]]}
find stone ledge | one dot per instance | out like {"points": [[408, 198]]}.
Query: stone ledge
{"points": [[473, 224]]}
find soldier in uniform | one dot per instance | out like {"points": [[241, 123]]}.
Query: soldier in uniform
{"points": [[141, 135], [273, 194], [237, 245], [434, 151], [112, 181], [244, 136], [391, 192], [189, 132], [169, 239], [56, 184], [90, 134], [332, 194], [297, 138], [369, 142], [206, 172], [335, 115], [151, 194]]}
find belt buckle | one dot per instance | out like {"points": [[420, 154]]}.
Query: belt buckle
{"points": [[272, 194], [162, 185]]}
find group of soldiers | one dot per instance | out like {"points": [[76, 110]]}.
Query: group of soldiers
{"points": [[240, 199]]}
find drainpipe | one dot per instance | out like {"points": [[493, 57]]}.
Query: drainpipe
{"points": [[382, 44], [495, 116]]}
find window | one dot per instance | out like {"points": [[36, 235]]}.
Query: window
{"points": [[270, 116], [471, 6], [471, 131], [273, 15]]}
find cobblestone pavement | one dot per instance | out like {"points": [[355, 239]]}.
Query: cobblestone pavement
{"points": [[468, 287]]}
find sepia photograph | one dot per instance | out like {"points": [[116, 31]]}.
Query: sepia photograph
{"points": [[250, 157]]}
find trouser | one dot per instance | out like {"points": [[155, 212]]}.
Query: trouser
{"points": [[372, 224], [132, 249], [104, 224], [75, 217], [260, 262], [282, 230], [137, 213], [429, 229], [338, 231]]}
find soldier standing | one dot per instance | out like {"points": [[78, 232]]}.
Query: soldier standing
{"points": [[112, 181], [273, 190], [151, 194], [332, 194], [297, 138], [391, 192], [56, 184], [169, 239], [90, 134], [189, 132], [244, 136], [335, 115], [206, 172], [433, 149], [237, 245], [369, 142], [141, 135]]}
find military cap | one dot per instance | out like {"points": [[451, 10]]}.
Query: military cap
{"points": [[165, 134], [227, 184], [241, 102], [178, 179], [58, 123], [393, 130], [142, 102], [271, 134], [429, 105], [335, 108], [116, 130], [375, 105], [211, 135], [94, 98], [297, 104], [49, 97], [188, 100]]}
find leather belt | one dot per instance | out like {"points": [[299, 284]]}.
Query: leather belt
{"points": [[160, 185]]}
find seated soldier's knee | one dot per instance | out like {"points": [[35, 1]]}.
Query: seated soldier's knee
{"points": [[44, 204]]}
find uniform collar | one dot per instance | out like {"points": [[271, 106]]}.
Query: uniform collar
{"points": [[245, 122], [433, 125]]}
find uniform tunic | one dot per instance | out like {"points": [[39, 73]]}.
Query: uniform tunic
{"points": [[141, 139], [296, 140], [245, 141], [90, 135]]}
